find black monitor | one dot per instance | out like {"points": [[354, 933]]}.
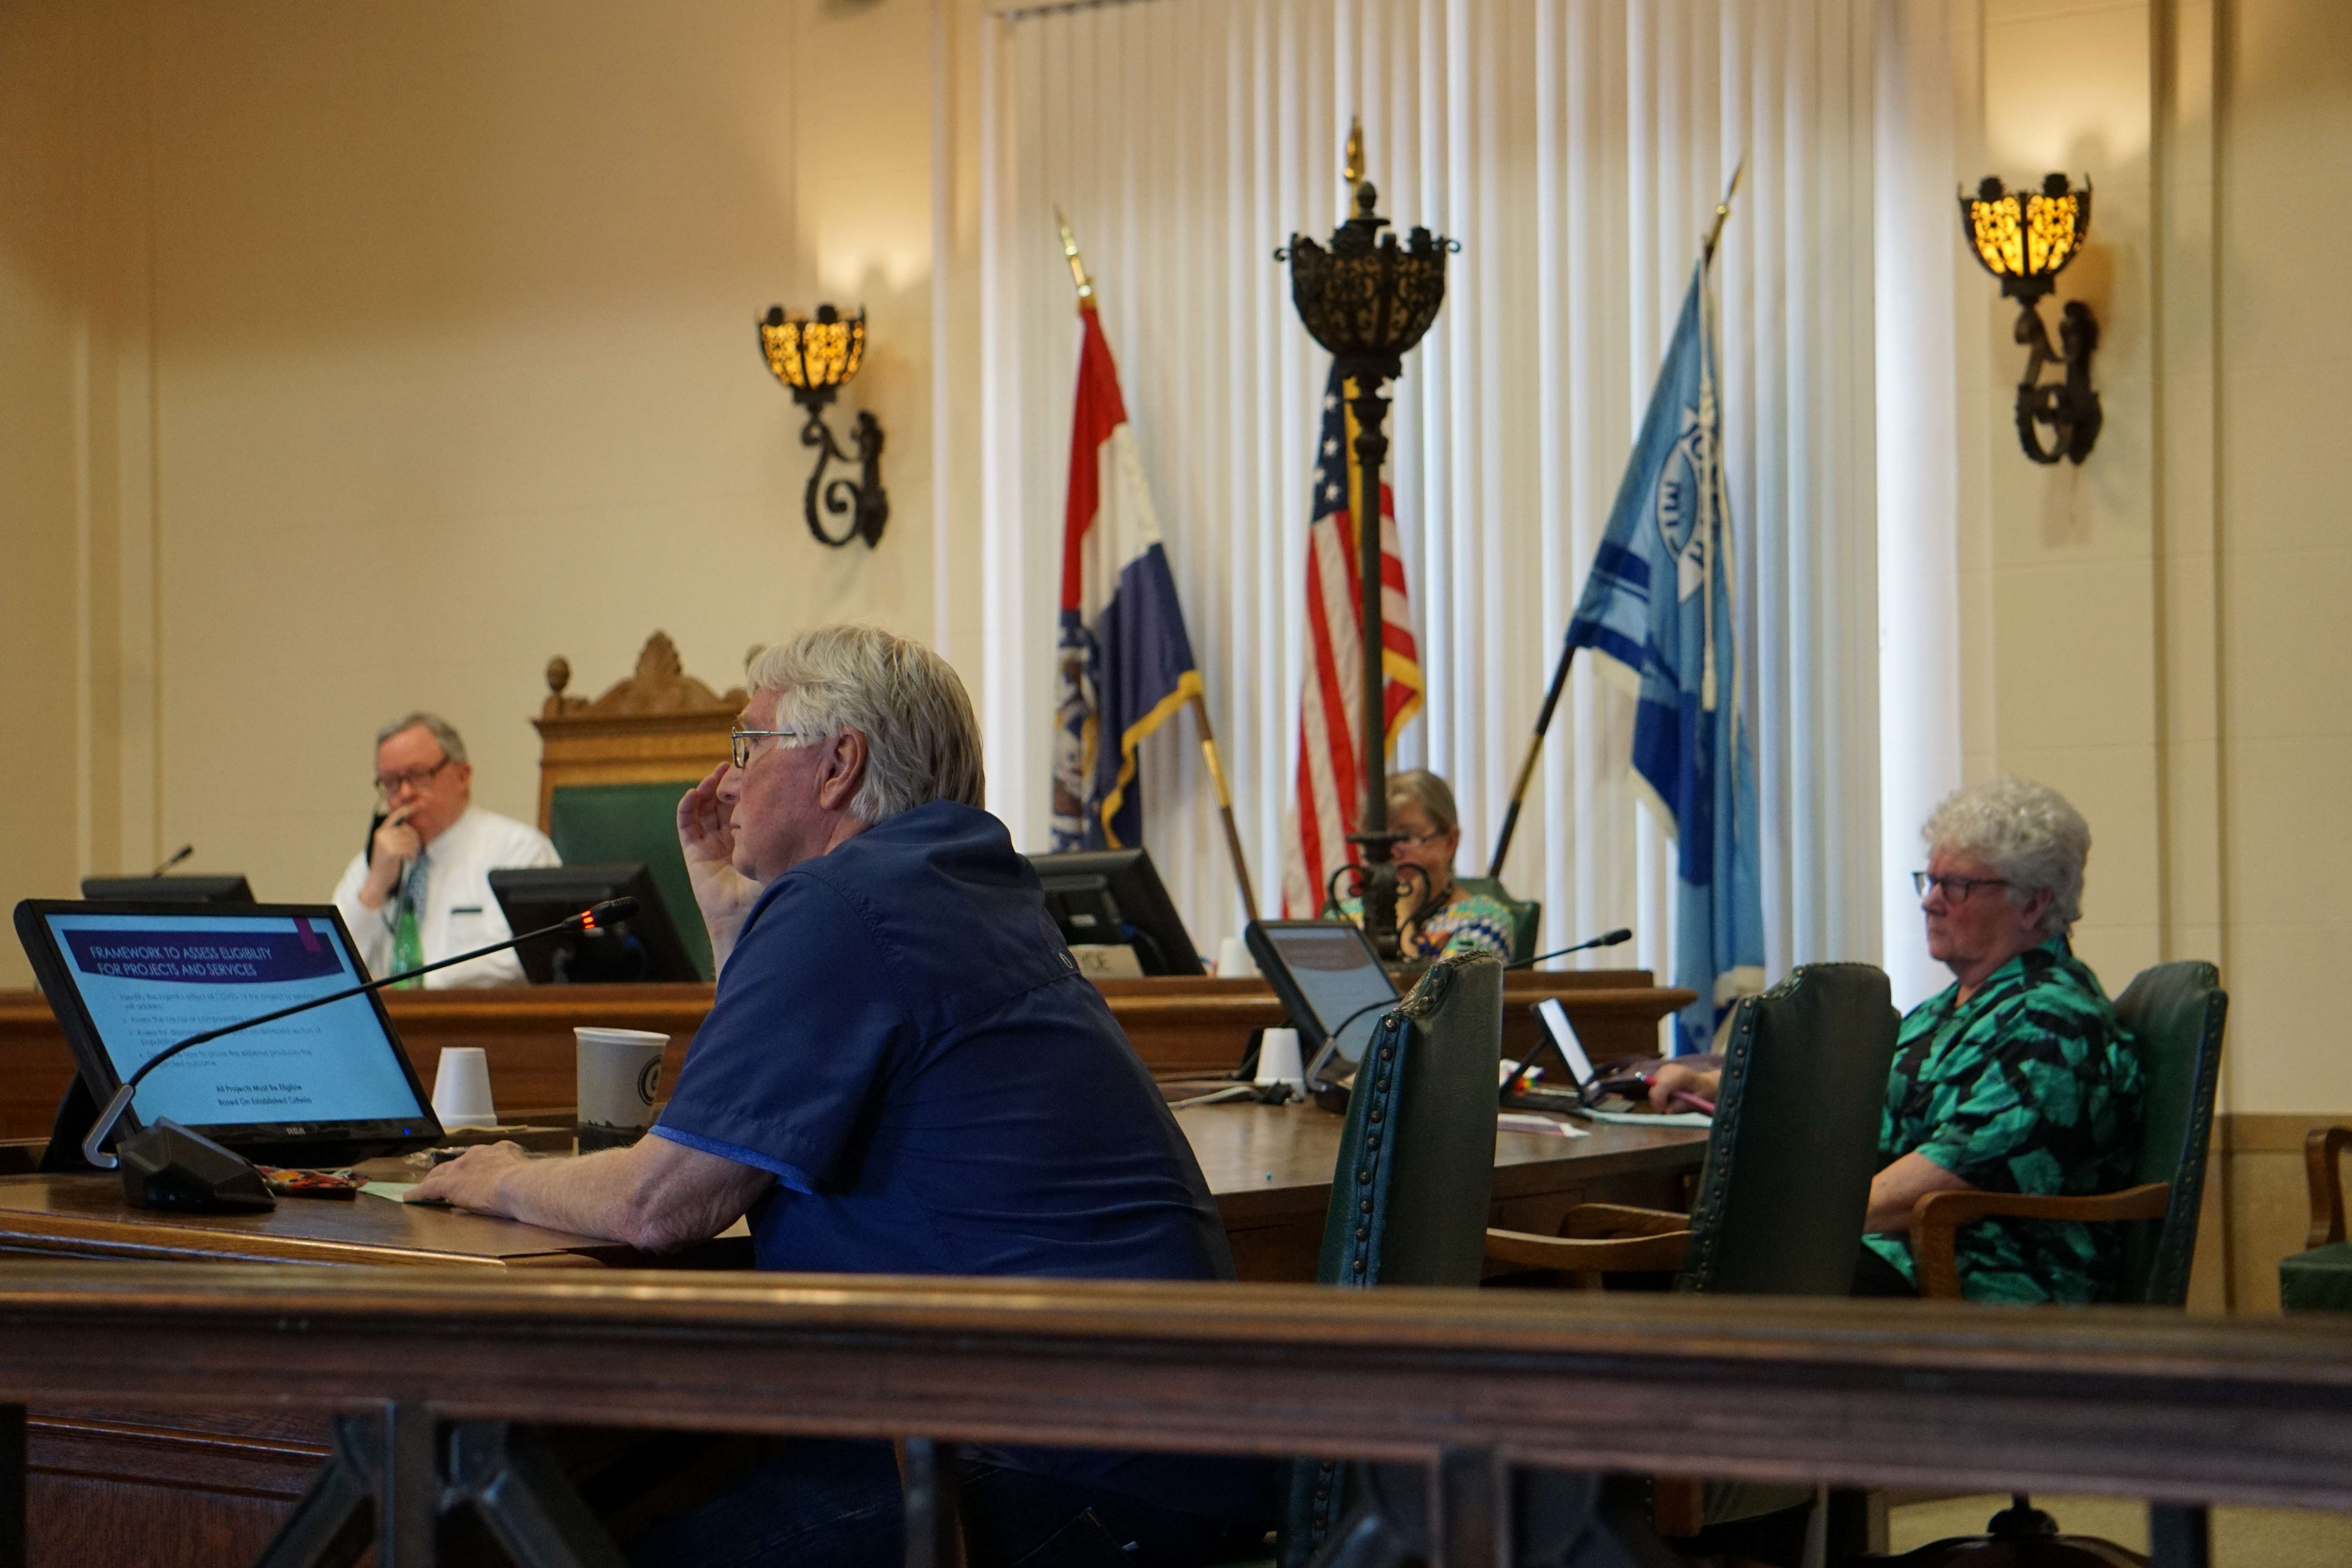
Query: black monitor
{"points": [[324, 1088], [643, 948], [228, 890], [1330, 982], [1113, 898]]}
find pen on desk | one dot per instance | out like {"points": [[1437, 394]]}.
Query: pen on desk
{"points": [[1696, 1102]]}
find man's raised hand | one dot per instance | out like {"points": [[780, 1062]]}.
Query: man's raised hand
{"points": [[396, 844], [706, 838]]}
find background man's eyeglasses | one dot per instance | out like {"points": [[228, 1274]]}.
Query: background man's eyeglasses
{"points": [[1956, 888], [389, 785]]}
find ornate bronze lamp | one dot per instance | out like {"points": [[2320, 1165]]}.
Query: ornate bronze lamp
{"points": [[2026, 241], [1369, 301], [814, 358]]}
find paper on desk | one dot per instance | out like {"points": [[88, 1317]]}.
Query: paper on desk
{"points": [[1650, 1117], [1535, 1122], [396, 1190]]}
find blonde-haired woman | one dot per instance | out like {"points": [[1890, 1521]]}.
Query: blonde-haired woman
{"points": [[1435, 914]]}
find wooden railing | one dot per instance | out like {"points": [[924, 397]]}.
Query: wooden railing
{"points": [[2146, 1403]]}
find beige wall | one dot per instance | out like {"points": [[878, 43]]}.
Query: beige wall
{"points": [[39, 364], [443, 316], [2160, 633]]}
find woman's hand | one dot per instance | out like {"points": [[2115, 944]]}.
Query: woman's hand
{"points": [[706, 838], [1673, 1080]]}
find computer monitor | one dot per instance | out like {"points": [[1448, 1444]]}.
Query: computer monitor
{"points": [[228, 890], [641, 949], [1330, 981], [1113, 896], [324, 1088]]}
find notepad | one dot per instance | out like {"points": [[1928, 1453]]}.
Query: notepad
{"points": [[1535, 1122], [1650, 1117]]}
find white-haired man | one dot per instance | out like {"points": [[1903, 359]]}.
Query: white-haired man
{"points": [[903, 1072], [2017, 1077], [421, 890]]}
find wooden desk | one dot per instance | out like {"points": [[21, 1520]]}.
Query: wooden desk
{"points": [[1269, 1168], [114, 1484], [1177, 1026]]}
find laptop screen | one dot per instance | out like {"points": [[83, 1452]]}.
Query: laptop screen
{"points": [[149, 978], [1338, 975]]}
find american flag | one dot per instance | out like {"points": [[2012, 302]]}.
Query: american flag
{"points": [[1329, 801]]}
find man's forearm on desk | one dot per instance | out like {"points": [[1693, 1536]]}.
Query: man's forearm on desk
{"points": [[656, 1196]]}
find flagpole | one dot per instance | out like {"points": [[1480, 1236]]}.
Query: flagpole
{"points": [[1528, 768], [1226, 806], [1559, 672], [1085, 286]]}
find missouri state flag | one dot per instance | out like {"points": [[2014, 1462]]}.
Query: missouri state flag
{"points": [[1657, 610], [1124, 663]]}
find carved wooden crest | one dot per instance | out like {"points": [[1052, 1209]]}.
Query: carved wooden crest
{"points": [[660, 686]]}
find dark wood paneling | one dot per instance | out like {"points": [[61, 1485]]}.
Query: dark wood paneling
{"points": [[1863, 1393]]}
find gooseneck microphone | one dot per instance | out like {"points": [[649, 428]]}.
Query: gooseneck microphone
{"points": [[607, 914], [184, 851], [1609, 939]]}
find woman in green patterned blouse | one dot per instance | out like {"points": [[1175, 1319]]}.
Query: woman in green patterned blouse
{"points": [[2017, 1078], [1435, 915]]}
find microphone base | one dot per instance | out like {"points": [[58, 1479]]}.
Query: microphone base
{"points": [[166, 1166]]}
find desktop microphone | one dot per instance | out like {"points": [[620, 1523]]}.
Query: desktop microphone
{"points": [[167, 1166], [186, 850], [1611, 939]]}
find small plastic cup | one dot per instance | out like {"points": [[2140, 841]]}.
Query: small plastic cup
{"points": [[461, 1088], [1278, 1058]]}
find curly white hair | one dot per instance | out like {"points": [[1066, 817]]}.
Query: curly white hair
{"points": [[2028, 833]]}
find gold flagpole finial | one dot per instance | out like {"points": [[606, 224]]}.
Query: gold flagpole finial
{"points": [[1354, 171], [1086, 285], [1723, 207]]}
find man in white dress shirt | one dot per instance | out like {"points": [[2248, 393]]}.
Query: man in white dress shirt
{"points": [[423, 893]]}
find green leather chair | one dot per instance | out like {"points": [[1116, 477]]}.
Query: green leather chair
{"points": [[1781, 1197], [605, 822], [611, 771], [1410, 1194], [1527, 914], [2319, 1279], [2175, 1013]]}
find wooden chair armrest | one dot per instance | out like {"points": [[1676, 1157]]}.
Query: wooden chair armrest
{"points": [[2321, 1145], [1937, 1218], [1590, 1255], [1614, 1221]]}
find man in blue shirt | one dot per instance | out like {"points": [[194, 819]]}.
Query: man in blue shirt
{"points": [[903, 1071]]}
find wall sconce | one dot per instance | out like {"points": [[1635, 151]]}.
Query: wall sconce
{"points": [[814, 359], [2026, 241]]}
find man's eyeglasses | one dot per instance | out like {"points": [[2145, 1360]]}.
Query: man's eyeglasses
{"points": [[740, 739], [1417, 838], [1956, 888], [389, 785]]}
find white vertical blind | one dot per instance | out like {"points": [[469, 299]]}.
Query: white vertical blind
{"points": [[1577, 149]]}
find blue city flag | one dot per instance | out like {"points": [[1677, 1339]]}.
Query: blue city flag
{"points": [[1657, 612]]}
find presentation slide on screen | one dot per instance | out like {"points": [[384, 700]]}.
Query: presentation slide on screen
{"points": [[1339, 976], [148, 980]]}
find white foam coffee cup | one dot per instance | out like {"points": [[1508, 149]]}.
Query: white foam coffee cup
{"points": [[1233, 960], [461, 1088], [1278, 1058], [620, 1074]]}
